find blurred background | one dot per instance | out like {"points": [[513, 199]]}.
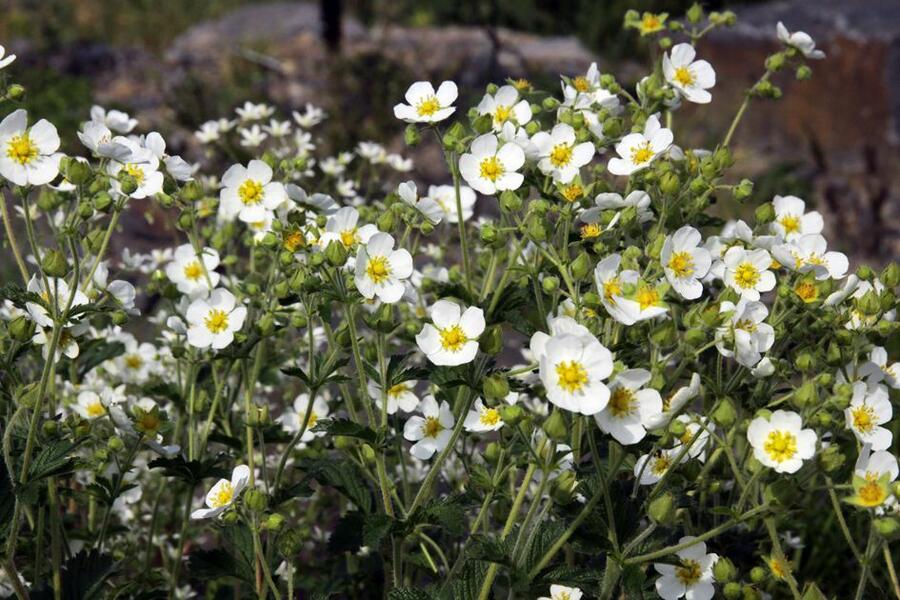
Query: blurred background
{"points": [[173, 64]]}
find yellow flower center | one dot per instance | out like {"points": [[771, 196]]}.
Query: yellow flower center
{"points": [[491, 168], [612, 288], [779, 568], [572, 376], [572, 192], [650, 23], [453, 338], [682, 264], [790, 223], [581, 83], [294, 240], [223, 496], [780, 445], [521, 84], [642, 153], [684, 76], [561, 155], [193, 270], [96, 409], [863, 418], [312, 420], [250, 192], [871, 494], [432, 427], [396, 390], [148, 422], [378, 269], [428, 106], [489, 416], [806, 291], [21, 149], [133, 361], [647, 296], [660, 463], [622, 402], [348, 237], [745, 325], [688, 573], [591, 230], [502, 114], [216, 321], [135, 171], [746, 275]]}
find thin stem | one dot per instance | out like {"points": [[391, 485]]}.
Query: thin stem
{"points": [[13, 244], [892, 573]]}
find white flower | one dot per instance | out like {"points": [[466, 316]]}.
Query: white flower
{"points": [[747, 272], [799, 40], [572, 369], [342, 227], [875, 465], [399, 164], [559, 155], [253, 136], [691, 78], [505, 106], [194, 275], [427, 206], [224, 493], [213, 321], [674, 402], [137, 363], [878, 369], [372, 152], [808, 253], [90, 405], [445, 197], [28, 156], [637, 150], [142, 164], [208, 132], [97, 137], [5, 59], [380, 270], [254, 112], [650, 468], [870, 408], [55, 295], [489, 169], [426, 105], [452, 339], [779, 442], [430, 432], [483, 418], [639, 199], [293, 417], [400, 396], [692, 577], [791, 220], [277, 128], [312, 116], [116, 120], [764, 368], [746, 331], [249, 192], [645, 301], [630, 409], [685, 262], [561, 592]]}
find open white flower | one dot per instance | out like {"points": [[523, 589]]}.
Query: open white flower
{"points": [[696, 435], [780, 442], [55, 295], [673, 402], [800, 40], [426, 105], [400, 396], [869, 409], [624, 295], [445, 197], [380, 270], [224, 493], [877, 369], [637, 150], [482, 418], [872, 466], [639, 199], [90, 405], [213, 321], [630, 410], [747, 272], [560, 155], [254, 112], [650, 468], [117, 120], [490, 168], [98, 138], [561, 592], [452, 337], [692, 577], [685, 262], [432, 431], [293, 417], [249, 192], [745, 336], [343, 226], [572, 369], [194, 275], [142, 164], [137, 363], [427, 206], [505, 106], [792, 220], [28, 156], [6, 59], [808, 253], [692, 78]]}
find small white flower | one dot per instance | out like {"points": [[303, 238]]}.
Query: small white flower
{"points": [[639, 199], [691, 78], [372, 152], [764, 368], [343, 226], [254, 112], [747, 272], [504, 106], [692, 577], [875, 465], [432, 431], [28, 156], [637, 150], [630, 410], [194, 275], [224, 493], [426, 105], [482, 418], [445, 197], [137, 363], [116, 120], [561, 592], [696, 435], [791, 220], [249, 192], [452, 339], [427, 207], [213, 321], [674, 402], [312, 116], [142, 164], [489, 168], [650, 468], [780, 442], [878, 370], [644, 302], [208, 132], [559, 155], [745, 331], [685, 262], [5, 59], [90, 405], [400, 396], [380, 270], [277, 128], [399, 164], [98, 138], [869, 409], [572, 369], [293, 417], [799, 40], [253, 136], [56, 294], [808, 253]]}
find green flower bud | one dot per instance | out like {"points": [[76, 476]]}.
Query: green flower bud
{"points": [[385, 221], [191, 191], [55, 264], [491, 341], [115, 443], [831, 458], [495, 387], [743, 190], [803, 73], [368, 454], [724, 570], [562, 489], [255, 499], [669, 184], [550, 284], [536, 228], [887, 527], [274, 522], [127, 182], [694, 15], [77, 172], [550, 103], [833, 355], [765, 213], [581, 266], [758, 574], [185, 220], [119, 317], [725, 414], [555, 427], [230, 517], [890, 276], [869, 304], [21, 329], [266, 324], [14, 91], [805, 362], [336, 254], [492, 452], [865, 272], [806, 395], [482, 124], [775, 61], [662, 509], [510, 201], [290, 542], [281, 289], [695, 337], [677, 428], [511, 414], [732, 590]]}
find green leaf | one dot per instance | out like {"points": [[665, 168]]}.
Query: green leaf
{"points": [[96, 352], [343, 476], [83, 577], [347, 535], [53, 459], [346, 428], [191, 472], [467, 585], [409, 594], [376, 528]]}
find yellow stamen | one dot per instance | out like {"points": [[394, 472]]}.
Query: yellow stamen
{"points": [[21, 149], [780, 445], [216, 321], [572, 376]]}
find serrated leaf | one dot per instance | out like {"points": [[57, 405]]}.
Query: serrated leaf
{"points": [[376, 528], [347, 535], [191, 472], [343, 476], [346, 428], [409, 594], [83, 577]]}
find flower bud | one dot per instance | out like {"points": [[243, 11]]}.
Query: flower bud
{"points": [[536, 228], [732, 590], [115, 443], [669, 184], [662, 509], [495, 387], [491, 341], [664, 334], [890, 276], [581, 266], [510, 201], [805, 362], [266, 324], [368, 454], [55, 264], [758, 574], [550, 103], [725, 414], [775, 61], [831, 458], [21, 329], [555, 427], [336, 254], [14, 91], [274, 522], [765, 213], [550, 284], [869, 304], [887, 527], [803, 73], [482, 124], [512, 414], [806, 395], [694, 15], [677, 428], [290, 542], [562, 489], [492, 452], [255, 499], [77, 172], [743, 190], [724, 570]]}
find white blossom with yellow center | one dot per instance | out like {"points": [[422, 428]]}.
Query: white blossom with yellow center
{"points": [[637, 150], [90, 405], [295, 417], [560, 155], [489, 167], [809, 253], [744, 335], [562, 592], [194, 274], [483, 418], [381, 270], [870, 408], [28, 156], [432, 430], [690, 78], [747, 271], [505, 107], [224, 493], [692, 574], [780, 442], [573, 367], [343, 226], [213, 321], [425, 105], [452, 336], [791, 219], [631, 408], [249, 194], [685, 262]]}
